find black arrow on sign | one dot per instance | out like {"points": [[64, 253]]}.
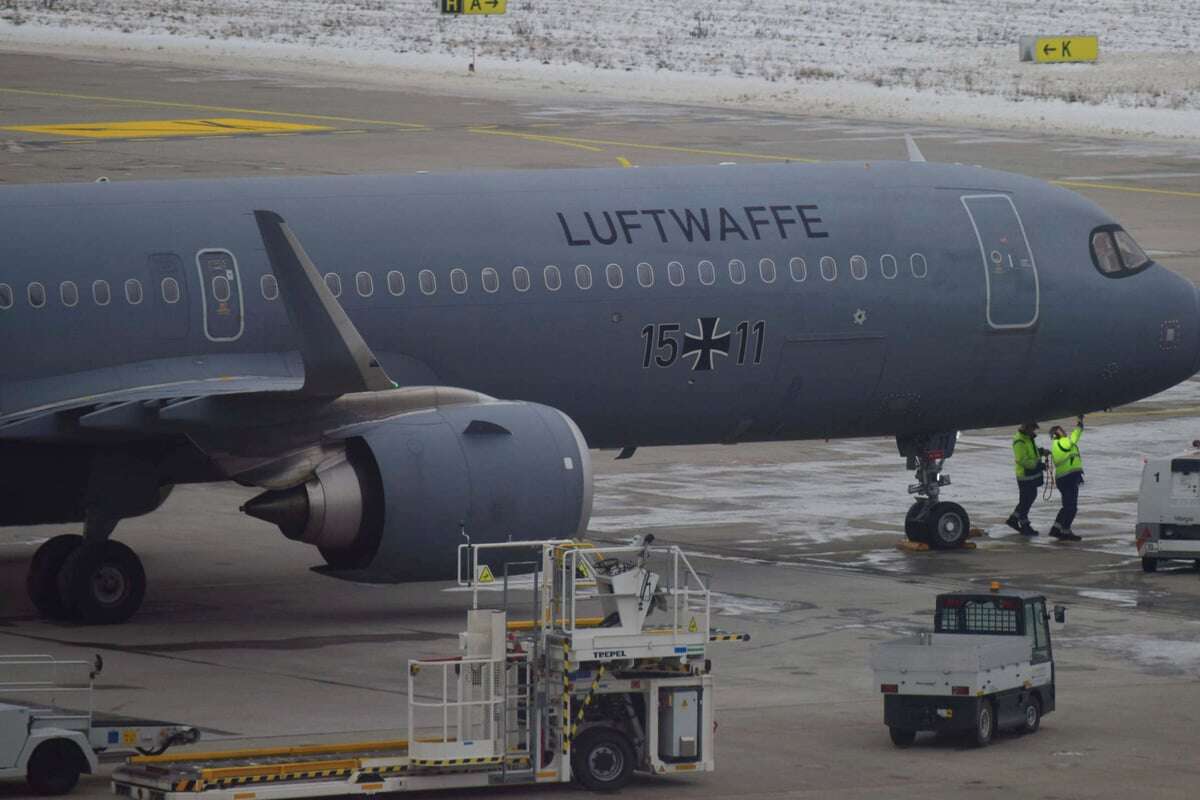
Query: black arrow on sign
{"points": [[1047, 50], [493, 3]]}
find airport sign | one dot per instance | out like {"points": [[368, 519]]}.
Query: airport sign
{"points": [[474, 6], [1060, 49]]}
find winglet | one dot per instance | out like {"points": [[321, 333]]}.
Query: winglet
{"points": [[336, 359], [914, 152]]}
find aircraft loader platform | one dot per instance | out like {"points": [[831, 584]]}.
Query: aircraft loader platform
{"points": [[583, 689]]}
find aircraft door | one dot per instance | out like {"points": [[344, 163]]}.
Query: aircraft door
{"points": [[168, 294], [221, 290], [1013, 295]]}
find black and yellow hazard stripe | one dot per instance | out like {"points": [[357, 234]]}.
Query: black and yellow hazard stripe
{"points": [[455, 762], [566, 699], [587, 700], [729, 637], [276, 777]]}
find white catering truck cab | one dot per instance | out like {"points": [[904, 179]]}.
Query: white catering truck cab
{"points": [[988, 664], [1168, 519]]}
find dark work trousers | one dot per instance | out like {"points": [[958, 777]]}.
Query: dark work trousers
{"points": [[1068, 487], [1028, 493]]}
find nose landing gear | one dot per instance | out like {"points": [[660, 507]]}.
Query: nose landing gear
{"points": [[937, 523]]}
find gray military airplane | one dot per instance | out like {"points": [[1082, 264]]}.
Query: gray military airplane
{"points": [[341, 342]]}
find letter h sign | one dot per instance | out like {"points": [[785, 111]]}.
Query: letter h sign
{"points": [[452, 6]]}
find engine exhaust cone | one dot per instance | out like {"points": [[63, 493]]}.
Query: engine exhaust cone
{"points": [[287, 508]]}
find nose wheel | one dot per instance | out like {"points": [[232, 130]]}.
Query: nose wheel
{"points": [[941, 525]]}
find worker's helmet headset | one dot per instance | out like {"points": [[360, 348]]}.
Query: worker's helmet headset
{"points": [[1057, 432], [1029, 428]]}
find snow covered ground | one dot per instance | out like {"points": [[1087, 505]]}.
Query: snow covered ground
{"points": [[945, 61]]}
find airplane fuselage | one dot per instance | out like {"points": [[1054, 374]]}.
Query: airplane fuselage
{"points": [[665, 306]]}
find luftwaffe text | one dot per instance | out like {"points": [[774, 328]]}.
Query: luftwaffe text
{"points": [[667, 225]]}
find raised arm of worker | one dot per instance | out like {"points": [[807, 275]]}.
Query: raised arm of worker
{"points": [[1075, 434]]}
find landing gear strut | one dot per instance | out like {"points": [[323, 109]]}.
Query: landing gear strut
{"points": [[89, 578], [935, 522]]}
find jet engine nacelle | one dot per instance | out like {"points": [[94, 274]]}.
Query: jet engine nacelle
{"points": [[392, 507]]}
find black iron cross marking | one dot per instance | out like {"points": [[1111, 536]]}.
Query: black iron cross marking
{"points": [[709, 342]]}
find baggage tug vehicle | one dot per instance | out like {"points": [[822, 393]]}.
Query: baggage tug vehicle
{"points": [[607, 676], [988, 664]]}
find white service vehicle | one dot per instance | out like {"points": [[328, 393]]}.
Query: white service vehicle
{"points": [[1168, 519], [51, 745], [988, 664], [606, 675]]}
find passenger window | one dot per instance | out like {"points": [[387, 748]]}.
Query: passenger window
{"points": [[1133, 257], [708, 273], [675, 274], [614, 276], [583, 276], [170, 290], [37, 294], [101, 293], [888, 266], [737, 271], [269, 286], [490, 280], [133, 291], [221, 290], [364, 283], [395, 282], [645, 275], [68, 293], [334, 282], [858, 268], [828, 268], [552, 278], [427, 281], [458, 281], [520, 278], [766, 270], [918, 265], [6, 297], [799, 270]]}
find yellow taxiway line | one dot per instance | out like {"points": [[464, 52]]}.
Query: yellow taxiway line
{"points": [[224, 109], [1119, 188], [156, 128]]}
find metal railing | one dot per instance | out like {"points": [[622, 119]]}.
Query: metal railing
{"points": [[52, 680]]}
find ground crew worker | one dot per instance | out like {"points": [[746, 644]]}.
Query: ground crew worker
{"points": [[1029, 467], [1068, 474]]}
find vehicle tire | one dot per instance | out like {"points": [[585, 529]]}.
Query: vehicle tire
{"points": [[949, 526], [1032, 713], [602, 759], [901, 737], [916, 530], [42, 582], [1149, 565], [985, 725], [54, 767], [102, 584]]}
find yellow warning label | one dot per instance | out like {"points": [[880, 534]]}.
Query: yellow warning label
{"points": [[129, 737], [484, 575], [1066, 49], [155, 128], [692, 627]]}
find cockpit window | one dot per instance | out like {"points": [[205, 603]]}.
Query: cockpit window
{"points": [[1133, 256], [1116, 254]]}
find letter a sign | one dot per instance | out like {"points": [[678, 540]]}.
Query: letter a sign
{"points": [[474, 6]]}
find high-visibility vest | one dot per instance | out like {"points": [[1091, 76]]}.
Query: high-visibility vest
{"points": [[1025, 456], [1065, 452]]}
